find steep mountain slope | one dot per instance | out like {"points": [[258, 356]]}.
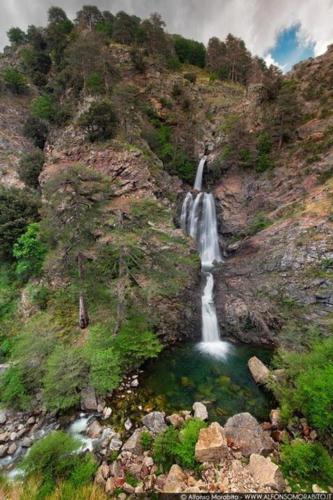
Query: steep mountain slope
{"points": [[276, 284]]}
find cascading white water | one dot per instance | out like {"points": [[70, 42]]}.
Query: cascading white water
{"points": [[198, 177], [198, 218], [186, 210], [208, 243]]}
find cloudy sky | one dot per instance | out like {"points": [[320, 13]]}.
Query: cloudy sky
{"points": [[282, 31]]}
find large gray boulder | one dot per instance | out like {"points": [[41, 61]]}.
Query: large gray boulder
{"points": [[244, 434], [155, 421]]}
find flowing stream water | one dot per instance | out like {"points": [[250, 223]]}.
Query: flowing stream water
{"points": [[198, 219]]}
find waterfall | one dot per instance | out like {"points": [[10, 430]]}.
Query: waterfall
{"points": [[186, 210], [198, 177], [198, 219]]}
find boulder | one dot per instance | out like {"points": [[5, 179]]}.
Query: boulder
{"points": [[94, 430], [175, 419], [212, 444], [155, 421], [12, 448], [266, 473], [200, 411], [88, 399], [259, 371], [107, 412], [115, 443], [3, 450], [175, 481], [243, 433], [133, 444], [275, 417], [3, 417], [128, 425]]}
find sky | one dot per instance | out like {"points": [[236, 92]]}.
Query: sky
{"points": [[282, 31]]}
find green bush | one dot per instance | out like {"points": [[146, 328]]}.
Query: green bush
{"points": [[16, 36], [44, 107], [36, 129], [135, 343], [178, 446], [259, 222], [191, 77], [146, 440], [64, 377], [99, 121], [29, 252], [18, 208], [30, 167], [55, 458], [40, 297], [308, 385], [305, 464], [13, 389], [95, 83], [14, 81]]}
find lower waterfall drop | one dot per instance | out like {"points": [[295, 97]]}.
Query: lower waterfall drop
{"points": [[198, 219]]}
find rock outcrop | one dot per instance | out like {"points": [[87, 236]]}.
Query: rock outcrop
{"points": [[212, 444], [259, 370], [243, 433]]}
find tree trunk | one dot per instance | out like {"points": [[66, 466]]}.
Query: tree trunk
{"points": [[83, 312]]}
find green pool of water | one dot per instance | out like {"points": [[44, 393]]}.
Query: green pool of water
{"points": [[183, 375]]}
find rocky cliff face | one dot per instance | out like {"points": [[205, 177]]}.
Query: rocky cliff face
{"points": [[276, 284]]}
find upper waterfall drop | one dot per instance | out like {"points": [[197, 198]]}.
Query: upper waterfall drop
{"points": [[199, 175]]}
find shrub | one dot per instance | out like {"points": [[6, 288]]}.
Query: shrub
{"points": [[190, 51], [178, 446], [16, 36], [29, 252], [135, 343], [18, 208], [306, 463], [99, 121], [40, 297], [36, 130], [146, 440], [30, 167], [105, 371], [13, 389], [14, 81], [191, 77], [44, 107], [54, 458], [65, 375], [259, 222], [95, 83]]}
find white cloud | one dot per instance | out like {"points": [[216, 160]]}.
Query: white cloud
{"points": [[258, 22], [269, 60]]}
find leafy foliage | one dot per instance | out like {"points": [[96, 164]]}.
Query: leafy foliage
{"points": [[308, 387], [18, 208], [305, 464], [43, 107], [30, 167], [14, 81], [63, 378], [36, 130], [13, 388], [16, 36], [99, 121], [190, 51], [54, 458], [178, 446], [29, 252]]}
